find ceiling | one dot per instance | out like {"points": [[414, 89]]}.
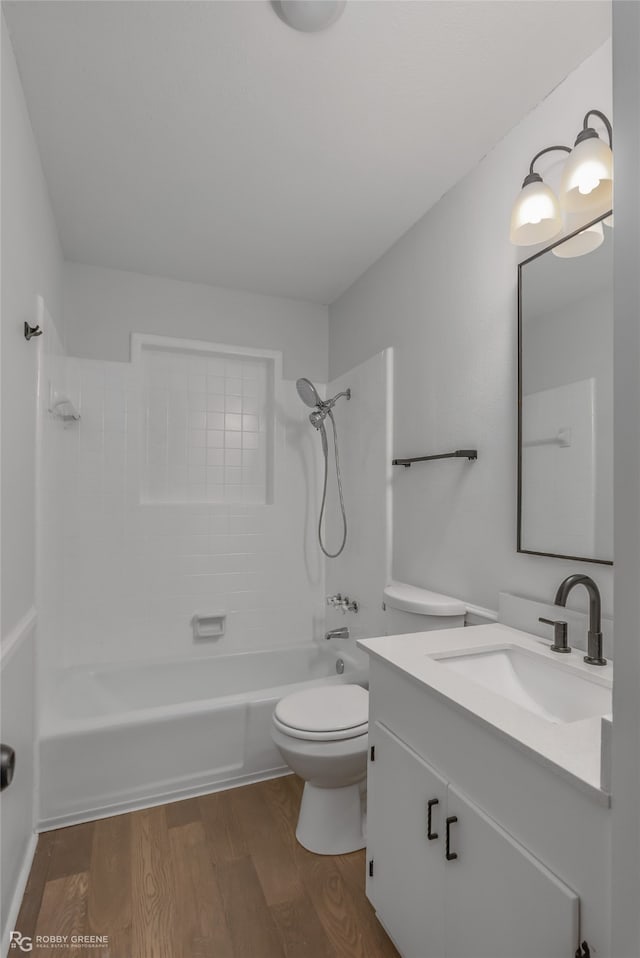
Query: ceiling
{"points": [[209, 142]]}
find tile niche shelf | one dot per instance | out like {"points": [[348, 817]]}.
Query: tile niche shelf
{"points": [[206, 420]]}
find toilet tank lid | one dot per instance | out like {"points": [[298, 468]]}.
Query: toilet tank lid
{"points": [[410, 598]]}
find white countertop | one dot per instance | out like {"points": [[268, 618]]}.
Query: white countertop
{"points": [[571, 748]]}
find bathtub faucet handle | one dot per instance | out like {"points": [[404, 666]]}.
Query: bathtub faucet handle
{"points": [[339, 601]]}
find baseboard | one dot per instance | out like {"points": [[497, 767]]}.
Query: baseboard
{"points": [[16, 901], [120, 808]]}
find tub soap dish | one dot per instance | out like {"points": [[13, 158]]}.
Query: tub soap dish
{"points": [[209, 626]]}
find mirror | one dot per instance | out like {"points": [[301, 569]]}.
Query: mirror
{"points": [[565, 398]]}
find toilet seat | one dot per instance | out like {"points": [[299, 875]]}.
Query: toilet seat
{"points": [[325, 714], [332, 735]]}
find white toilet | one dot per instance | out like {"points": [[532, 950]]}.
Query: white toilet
{"points": [[322, 732], [322, 735]]}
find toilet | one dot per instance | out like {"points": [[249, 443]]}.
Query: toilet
{"points": [[321, 733]]}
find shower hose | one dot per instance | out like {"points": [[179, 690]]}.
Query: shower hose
{"points": [[325, 448]]}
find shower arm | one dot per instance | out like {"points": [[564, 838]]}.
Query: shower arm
{"points": [[330, 403]]}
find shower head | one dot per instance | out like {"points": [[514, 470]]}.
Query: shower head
{"points": [[308, 393]]}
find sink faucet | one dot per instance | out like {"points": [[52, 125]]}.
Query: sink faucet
{"points": [[342, 633], [594, 640]]}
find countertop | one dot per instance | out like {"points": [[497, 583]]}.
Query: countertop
{"points": [[571, 748]]}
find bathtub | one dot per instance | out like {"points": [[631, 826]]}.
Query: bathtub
{"points": [[115, 738]]}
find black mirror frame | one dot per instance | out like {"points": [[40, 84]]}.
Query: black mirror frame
{"points": [[551, 555]]}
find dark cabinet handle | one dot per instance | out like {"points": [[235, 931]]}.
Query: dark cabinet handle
{"points": [[432, 801], [450, 856]]}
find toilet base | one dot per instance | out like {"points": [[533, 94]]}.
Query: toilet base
{"points": [[331, 819]]}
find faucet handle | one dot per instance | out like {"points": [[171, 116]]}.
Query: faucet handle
{"points": [[559, 634]]}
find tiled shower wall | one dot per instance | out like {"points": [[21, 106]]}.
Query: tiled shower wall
{"points": [[207, 426], [136, 572]]}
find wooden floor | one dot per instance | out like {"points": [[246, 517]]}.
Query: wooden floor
{"points": [[220, 876]]}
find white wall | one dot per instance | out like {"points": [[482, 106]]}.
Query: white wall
{"points": [[444, 296], [103, 307], [626, 700], [31, 264], [365, 439], [18, 801]]}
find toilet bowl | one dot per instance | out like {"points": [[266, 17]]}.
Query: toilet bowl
{"points": [[321, 734]]}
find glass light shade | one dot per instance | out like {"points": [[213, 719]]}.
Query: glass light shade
{"points": [[581, 244], [587, 178], [309, 16], [535, 217]]}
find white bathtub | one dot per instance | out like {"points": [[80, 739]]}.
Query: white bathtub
{"points": [[120, 737]]}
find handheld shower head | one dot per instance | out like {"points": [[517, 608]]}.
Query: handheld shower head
{"points": [[321, 409], [317, 417], [308, 393]]}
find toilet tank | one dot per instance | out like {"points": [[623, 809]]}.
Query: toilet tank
{"points": [[407, 608]]}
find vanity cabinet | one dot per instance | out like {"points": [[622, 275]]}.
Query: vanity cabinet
{"points": [[404, 871], [490, 898]]}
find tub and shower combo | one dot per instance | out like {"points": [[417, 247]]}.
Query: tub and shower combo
{"points": [[122, 737], [118, 737]]}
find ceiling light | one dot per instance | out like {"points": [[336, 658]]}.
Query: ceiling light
{"points": [[582, 243], [587, 178], [309, 16], [535, 217]]}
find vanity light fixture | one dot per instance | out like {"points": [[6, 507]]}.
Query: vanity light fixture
{"points": [[582, 243], [587, 177], [586, 188], [535, 217]]}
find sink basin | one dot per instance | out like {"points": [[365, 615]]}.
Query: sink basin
{"points": [[554, 691]]}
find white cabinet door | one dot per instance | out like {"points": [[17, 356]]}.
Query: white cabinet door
{"points": [[407, 885], [501, 902]]}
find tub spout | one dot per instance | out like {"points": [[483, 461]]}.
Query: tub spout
{"points": [[342, 633]]}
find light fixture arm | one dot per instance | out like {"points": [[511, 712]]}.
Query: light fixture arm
{"points": [[547, 149], [532, 176], [601, 116]]}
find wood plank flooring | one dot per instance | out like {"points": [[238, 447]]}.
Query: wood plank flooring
{"points": [[220, 876]]}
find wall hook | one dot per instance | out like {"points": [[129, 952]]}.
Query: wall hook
{"points": [[31, 331]]}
